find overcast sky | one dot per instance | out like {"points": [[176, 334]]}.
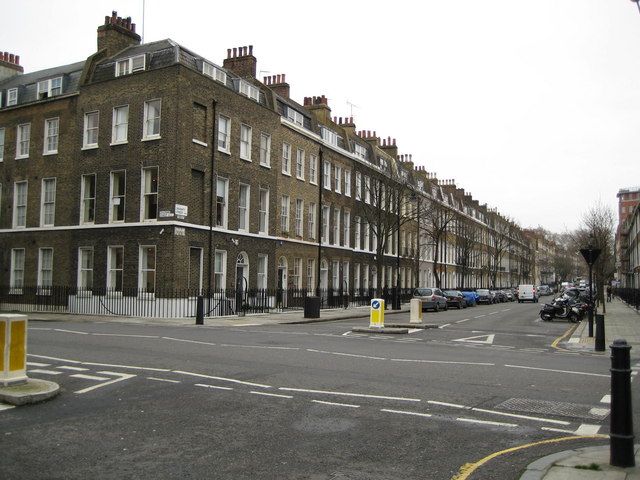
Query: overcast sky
{"points": [[532, 107]]}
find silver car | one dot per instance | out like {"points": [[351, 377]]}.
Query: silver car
{"points": [[432, 299]]}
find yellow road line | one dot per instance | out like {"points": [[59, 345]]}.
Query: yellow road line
{"points": [[567, 333], [468, 468]]}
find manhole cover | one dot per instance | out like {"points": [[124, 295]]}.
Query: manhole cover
{"points": [[545, 407]]}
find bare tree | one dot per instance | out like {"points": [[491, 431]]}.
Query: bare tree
{"points": [[499, 241], [468, 241]]}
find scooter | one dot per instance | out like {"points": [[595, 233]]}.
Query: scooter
{"points": [[561, 308]]}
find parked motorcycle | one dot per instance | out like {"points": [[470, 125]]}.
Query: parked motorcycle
{"points": [[563, 308]]}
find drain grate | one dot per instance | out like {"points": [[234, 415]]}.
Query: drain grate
{"points": [[545, 407]]}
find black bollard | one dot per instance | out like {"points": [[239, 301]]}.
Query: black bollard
{"points": [[600, 333], [200, 310], [621, 431]]}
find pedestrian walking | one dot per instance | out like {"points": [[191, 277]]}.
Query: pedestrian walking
{"points": [[608, 293]]}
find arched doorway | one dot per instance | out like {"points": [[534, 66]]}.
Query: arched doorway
{"points": [[242, 282]]}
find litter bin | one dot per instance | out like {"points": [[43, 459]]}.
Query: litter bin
{"points": [[312, 307]]}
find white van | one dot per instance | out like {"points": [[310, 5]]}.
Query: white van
{"points": [[527, 293]]}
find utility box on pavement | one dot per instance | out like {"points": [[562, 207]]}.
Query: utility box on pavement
{"points": [[13, 353], [416, 310], [312, 307], [376, 319]]}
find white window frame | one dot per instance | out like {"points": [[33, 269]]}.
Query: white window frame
{"points": [[326, 179], [347, 182], [299, 213], [265, 149], [149, 195], [224, 134], [50, 87], [47, 202], [117, 195], [311, 221], [262, 269], [286, 159], [300, 164], [263, 220], [91, 130], [20, 198], [326, 211], [51, 136], [346, 227], [249, 90], [245, 142], [296, 278], [220, 269], [85, 269], [146, 268], [311, 275], [16, 280], [12, 97], [313, 169], [130, 65], [337, 177], [115, 268], [244, 196], [23, 140], [152, 119], [120, 125], [358, 186], [336, 226], [295, 117], [214, 72], [222, 202], [1, 145], [357, 239], [88, 199], [285, 205], [45, 270]]}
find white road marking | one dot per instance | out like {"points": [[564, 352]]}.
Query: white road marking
{"points": [[54, 358], [4, 406], [572, 372], [215, 387], [90, 377], [36, 364], [345, 354], [72, 369], [586, 429], [334, 404], [70, 331], [464, 320], [485, 422], [347, 394], [445, 325], [131, 367], [599, 412], [444, 404], [524, 417], [403, 412], [163, 380], [230, 380], [443, 362], [271, 394], [123, 335], [188, 341], [488, 339], [479, 316], [121, 377], [606, 399]]}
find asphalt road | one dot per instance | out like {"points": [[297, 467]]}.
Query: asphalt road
{"points": [[312, 401]]}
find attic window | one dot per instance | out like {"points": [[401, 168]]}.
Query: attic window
{"points": [[214, 72], [130, 65], [360, 151], [295, 116], [50, 87], [384, 164], [249, 90], [329, 136], [12, 97]]}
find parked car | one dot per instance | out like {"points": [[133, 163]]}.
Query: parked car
{"points": [[508, 295], [471, 297], [499, 296], [485, 296], [455, 299], [545, 290], [432, 299]]}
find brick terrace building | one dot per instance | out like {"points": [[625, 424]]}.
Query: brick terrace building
{"points": [[148, 168]]}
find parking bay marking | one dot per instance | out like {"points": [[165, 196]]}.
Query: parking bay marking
{"points": [[121, 377]]}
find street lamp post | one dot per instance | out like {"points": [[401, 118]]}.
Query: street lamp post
{"points": [[590, 254], [396, 296]]}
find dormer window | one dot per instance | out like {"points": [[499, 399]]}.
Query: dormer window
{"points": [[12, 97], [214, 72], [130, 65], [49, 88], [384, 165], [249, 90], [329, 136], [360, 151], [295, 116]]}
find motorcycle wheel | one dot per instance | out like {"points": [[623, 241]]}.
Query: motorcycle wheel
{"points": [[573, 318], [546, 317]]}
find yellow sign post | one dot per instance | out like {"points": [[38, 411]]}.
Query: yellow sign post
{"points": [[13, 349], [377, 313]]}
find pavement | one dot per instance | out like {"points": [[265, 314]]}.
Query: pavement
{"points": [[593, 463]]}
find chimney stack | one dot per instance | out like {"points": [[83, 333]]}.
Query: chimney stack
{"points": [[241, 61], [116, 34], [278, 85], [9, 65]]}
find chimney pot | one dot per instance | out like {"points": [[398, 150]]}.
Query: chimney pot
{"points": [[228, 53], [251, 50], [283, 81], [235, 52]]}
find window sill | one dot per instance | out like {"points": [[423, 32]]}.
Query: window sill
{"points": [[52, 152], [151, 138], [121, 142], [89, 147], [199, 142]]}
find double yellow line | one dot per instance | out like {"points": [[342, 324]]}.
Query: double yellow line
{"points": [[468, 468]]}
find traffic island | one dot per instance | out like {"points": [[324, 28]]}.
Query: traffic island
{"points": [[33, 391], [15, 387], [423, 326]]}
